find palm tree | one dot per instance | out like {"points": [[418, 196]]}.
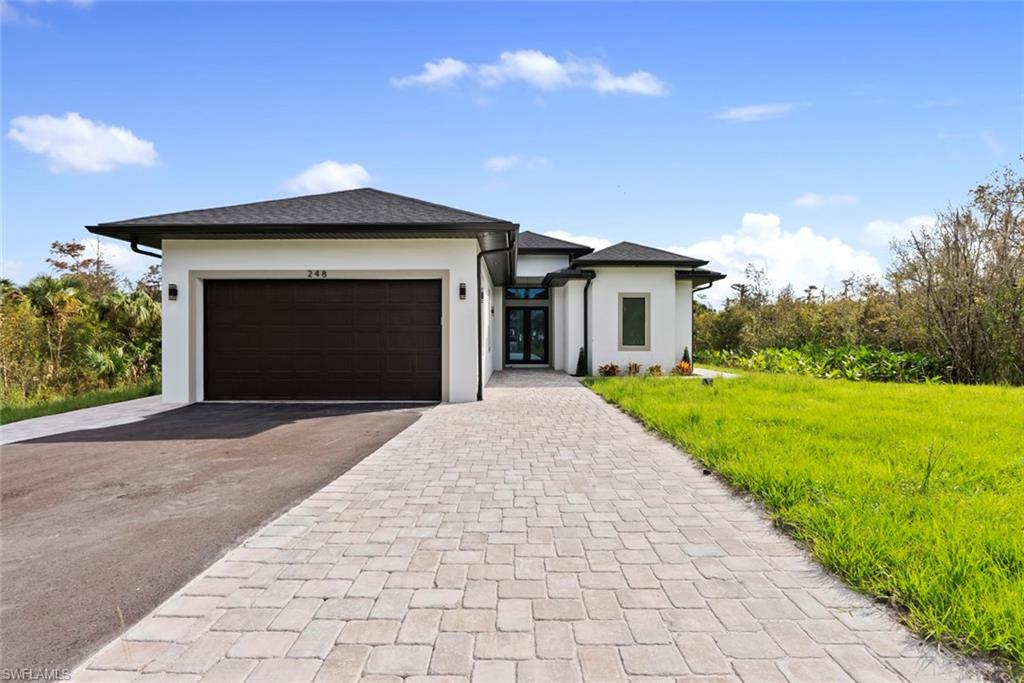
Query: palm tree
{"points": [[56, 300]]}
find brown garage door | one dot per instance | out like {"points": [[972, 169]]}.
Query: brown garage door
{"points": [[322, 339]]}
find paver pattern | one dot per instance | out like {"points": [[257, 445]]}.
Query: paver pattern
{"points": [[540, 535]]}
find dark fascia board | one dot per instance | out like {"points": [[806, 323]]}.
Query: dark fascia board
{"points": [[559, 278], [682, 263], [699, 275], [152, 235], [572, 253]]}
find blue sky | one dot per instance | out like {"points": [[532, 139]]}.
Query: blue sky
{"points": [[796, 136]]}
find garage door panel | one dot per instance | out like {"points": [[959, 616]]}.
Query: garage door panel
{"points": [[323, 340]]}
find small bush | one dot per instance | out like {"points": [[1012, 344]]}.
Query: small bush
{"points": [[633, 368], [581, 363], [608, 370], [857, 363], [682, 368], [654, 370]]}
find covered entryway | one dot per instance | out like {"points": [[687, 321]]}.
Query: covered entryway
{"points": [[322, 340]]}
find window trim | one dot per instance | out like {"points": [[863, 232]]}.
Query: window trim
{"points": [[646, 296]]}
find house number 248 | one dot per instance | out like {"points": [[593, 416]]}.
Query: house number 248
{"points": [[316, 273]]}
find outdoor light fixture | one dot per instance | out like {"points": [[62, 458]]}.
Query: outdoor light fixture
{"points": [[462, 291], [172, 292]]}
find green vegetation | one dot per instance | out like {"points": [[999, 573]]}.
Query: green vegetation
{"points": [[853, 363], [70, 338], [910, 492], [954, 296], [88, 399]]}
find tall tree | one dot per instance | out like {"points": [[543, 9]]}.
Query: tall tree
{"points": [[964, 277]]}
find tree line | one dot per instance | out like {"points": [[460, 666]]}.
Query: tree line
{"points": [[953, 295], [84, 327]]}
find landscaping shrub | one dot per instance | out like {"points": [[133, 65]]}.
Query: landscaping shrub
{"points": [[608, 370], [857, 363]]}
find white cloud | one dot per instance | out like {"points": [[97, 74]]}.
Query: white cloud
{"points": [[539, 70], [499, 164], [75, 143], [328, 176], [799, 257], [120, 256], [10, 14], [882, 232], [813, 200], [587, 240], [755, 112], [637, 83], [440, 73], [532, 66]]}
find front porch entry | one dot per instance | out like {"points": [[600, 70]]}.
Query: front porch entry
{"points": [[527, 326]]}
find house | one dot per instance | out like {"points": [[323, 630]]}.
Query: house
{"points": [[369, 295]]}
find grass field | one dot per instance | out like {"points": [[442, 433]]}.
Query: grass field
{"points": [[914, 493], [86, 399]]}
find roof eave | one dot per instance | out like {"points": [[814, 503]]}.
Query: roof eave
{"points": [[700, 276], [572, 253], [640, 264]]}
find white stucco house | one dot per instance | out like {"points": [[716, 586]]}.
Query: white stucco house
{"points": [[369, 295]]}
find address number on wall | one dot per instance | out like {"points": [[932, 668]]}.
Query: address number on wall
{"points": [[316, 273]]}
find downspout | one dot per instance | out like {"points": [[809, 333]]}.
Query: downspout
{"points": [[135, 248], [479, 315], [706, 285]]}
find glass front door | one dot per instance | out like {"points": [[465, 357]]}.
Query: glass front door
{"points": [[526, 335]]}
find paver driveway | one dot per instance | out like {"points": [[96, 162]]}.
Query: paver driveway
{"points": [[540, 535]]}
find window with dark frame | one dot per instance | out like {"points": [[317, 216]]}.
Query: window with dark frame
{"points": [[529, 293], [634, 321]]}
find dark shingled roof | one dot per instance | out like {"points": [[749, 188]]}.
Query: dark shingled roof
{"points": [[631, 254], [560, 277], [700, 276], [365, 206], [542, 244]]}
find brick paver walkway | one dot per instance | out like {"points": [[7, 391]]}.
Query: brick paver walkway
{"points": [[540, 535]]}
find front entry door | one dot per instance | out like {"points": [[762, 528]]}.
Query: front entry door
{"points": [[526, 335]]}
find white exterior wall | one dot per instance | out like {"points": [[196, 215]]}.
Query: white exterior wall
{"points": [[487, 300], [556, 330], [539, 265], [571, 322], [660, 284], [498, 329], [684, 318], [186, 263]]}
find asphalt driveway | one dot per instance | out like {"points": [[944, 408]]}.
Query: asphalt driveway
{"points": [[101, 525]]}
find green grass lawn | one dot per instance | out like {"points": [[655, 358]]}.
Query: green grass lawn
{"points": [[86, 399], [910, 492]]}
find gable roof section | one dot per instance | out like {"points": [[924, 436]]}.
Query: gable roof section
{"points": [[365, 206], [533, 243], [632, 254], [363, 213]]}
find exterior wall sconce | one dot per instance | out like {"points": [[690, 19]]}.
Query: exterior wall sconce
{"points": [[172, 292], [462, 291]]}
